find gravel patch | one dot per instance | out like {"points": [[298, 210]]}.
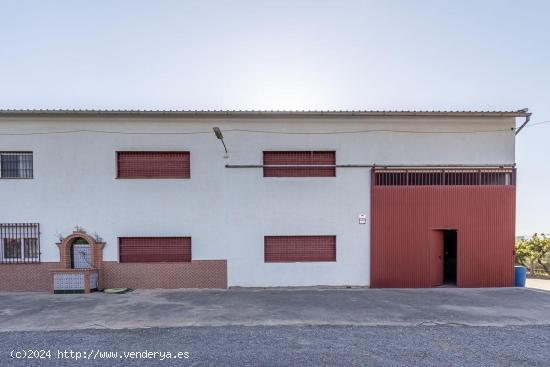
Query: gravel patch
{"points": [[440, 345]]}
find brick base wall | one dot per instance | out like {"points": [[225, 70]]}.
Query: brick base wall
{"points": [[194, 274], [27, 277]]}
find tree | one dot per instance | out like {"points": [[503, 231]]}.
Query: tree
{"points": [[523, 253], [536, 249]]}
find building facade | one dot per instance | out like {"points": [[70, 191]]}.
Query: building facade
{"points": [[151, 199]]}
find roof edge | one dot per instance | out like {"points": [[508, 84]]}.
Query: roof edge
{"points": [[251, 113]]}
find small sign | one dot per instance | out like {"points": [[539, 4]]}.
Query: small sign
{"points": [[362, 219]]}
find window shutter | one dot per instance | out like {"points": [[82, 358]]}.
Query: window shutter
{"points": [[308, 159], [154, 249], [153, 165], [299, 248]]}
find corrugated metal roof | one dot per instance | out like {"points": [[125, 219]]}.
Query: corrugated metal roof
{"points": [[254, 113]]}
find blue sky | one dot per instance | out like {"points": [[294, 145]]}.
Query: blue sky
{"points": [[463, 55]]}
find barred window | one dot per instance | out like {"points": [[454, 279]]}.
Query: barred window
{"points": [[12, 248], [31, 249], [16, 165], [20, 243], [299, 163]]}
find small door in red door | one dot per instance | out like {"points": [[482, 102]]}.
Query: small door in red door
{"points": [[436, 258]]}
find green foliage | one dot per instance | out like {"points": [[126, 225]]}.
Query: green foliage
{"points": [[534, 250], [523, 254]]}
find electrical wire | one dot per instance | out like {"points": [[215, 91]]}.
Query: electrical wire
{"points": [[265, 132], [538, 123], [106, 132]]}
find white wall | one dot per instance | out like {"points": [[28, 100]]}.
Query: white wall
{"points": [[228, 211]]}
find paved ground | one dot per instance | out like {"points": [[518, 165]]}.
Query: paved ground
{"points": [[268, 307], [281, 327], [292, 346], [543, 284]]}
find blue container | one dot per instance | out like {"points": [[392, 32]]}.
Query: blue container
{"points": [[521, 276]]}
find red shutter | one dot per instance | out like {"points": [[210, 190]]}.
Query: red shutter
{"points": [[306, 158], [299, 248], [153, 165], [154, 249]]}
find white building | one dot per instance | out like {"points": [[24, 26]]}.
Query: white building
{"points": [[62, 169]]}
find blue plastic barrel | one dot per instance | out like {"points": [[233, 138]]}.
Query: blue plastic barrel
{"points": [[521, 276]]}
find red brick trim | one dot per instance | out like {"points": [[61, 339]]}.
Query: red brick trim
{"points": [[27, 277], [194, 274]]}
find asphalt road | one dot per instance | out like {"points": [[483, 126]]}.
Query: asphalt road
{"points": [[441, 345], [274, 307]]}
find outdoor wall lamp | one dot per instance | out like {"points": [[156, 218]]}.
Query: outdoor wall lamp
{"points": [[219, 135]]}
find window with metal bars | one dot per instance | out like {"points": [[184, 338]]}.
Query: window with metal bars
{"points": [[444, 177], [299, 248], [154, 249], [299, 163], [153, 165], [16, 165], [20, 243]]}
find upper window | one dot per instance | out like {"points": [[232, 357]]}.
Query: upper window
{"points": [[19, 243], [153, 165], [15, 164], [444, 177], [154, 249], [300, 164]]}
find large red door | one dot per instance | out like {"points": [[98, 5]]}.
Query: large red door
{"points": [[407, 205], [436, 258]]}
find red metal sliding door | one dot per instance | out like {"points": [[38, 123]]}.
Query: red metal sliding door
{"points": [[407, 205]]}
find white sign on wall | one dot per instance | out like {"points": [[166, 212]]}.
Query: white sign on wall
{"points": [[362, 219]]}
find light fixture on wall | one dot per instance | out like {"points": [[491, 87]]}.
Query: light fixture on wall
{"points": [[219, 135]]}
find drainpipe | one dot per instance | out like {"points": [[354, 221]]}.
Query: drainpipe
{"points": [[527, 118]]}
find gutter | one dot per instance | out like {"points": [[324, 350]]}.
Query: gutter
{"points": [[527, 119]]}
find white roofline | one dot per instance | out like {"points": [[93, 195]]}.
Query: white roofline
{"points": [[251, 113]]}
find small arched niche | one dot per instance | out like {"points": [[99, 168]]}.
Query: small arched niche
{"points": [[81, 251], [81, 254]]}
